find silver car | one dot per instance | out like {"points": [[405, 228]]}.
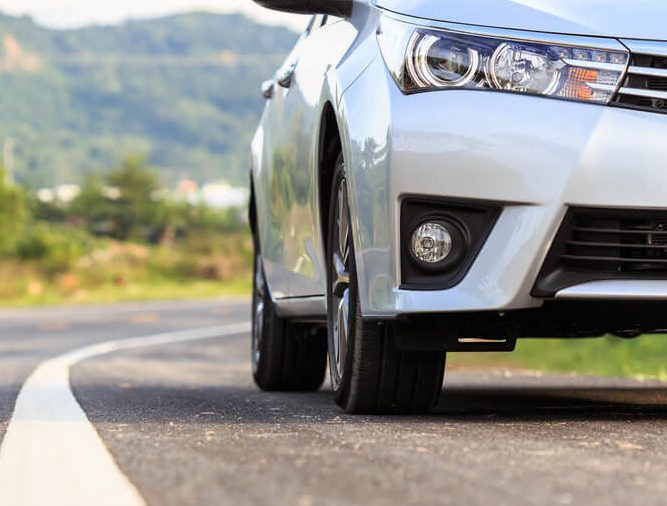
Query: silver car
{"points": [[452, 175]]}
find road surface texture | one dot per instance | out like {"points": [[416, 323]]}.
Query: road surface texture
{"points": [[186, 426]]}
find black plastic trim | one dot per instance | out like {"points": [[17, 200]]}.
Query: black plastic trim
{"points": [[555, 319], [475, 219], [557, 275]]}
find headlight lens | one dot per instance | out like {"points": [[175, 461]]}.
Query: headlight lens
{"points": [[441, 62], [423, 59]]}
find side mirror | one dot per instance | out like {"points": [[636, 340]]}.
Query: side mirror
{"points": [[267, 89], [340, 8]]}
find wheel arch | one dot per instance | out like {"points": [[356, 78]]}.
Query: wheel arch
{"points": [[252, 209], [330, 145]]}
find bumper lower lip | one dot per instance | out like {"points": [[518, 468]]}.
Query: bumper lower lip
{"points": [[649, 290]]}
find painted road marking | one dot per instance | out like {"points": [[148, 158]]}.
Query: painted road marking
{"points": [[51, 453]]}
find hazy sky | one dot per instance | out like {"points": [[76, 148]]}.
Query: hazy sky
{"points": [[68, 13]]}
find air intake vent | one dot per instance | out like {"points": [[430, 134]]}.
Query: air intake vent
{"points": [[645, 86], [595, 244]]}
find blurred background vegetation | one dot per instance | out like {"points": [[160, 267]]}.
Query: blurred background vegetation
{"points": [[120, 238], [641, 358], [182, 90], [79, 220]]}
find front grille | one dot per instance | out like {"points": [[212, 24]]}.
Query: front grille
{"points": [[595, 244], [645, 85]]}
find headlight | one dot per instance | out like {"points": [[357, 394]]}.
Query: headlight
{"points": [[423, 59]]}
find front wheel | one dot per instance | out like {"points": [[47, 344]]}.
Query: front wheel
{"points": [[368, 374]]}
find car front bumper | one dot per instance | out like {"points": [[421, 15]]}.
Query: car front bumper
{"points": [[535, 157]]}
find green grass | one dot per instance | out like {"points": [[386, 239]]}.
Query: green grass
{"points": [[645, 357], [157, 290], [111, 271]]}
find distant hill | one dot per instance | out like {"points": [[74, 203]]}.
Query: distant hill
{"points": [[184, 90]]}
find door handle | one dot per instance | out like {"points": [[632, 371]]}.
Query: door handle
{"points": [[286, 75], [267, 89]]}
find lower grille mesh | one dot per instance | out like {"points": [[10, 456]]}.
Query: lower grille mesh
{"points": [[616, 243], [595, 244]]}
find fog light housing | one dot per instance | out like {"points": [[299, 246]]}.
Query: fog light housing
{"points": [[437, 244], [431, 243], [468, 223]]}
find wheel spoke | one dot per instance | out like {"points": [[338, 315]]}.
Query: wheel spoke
{"points": [[342, 276], [259, 283], [258, 313], [340, 279], [342, 326]]}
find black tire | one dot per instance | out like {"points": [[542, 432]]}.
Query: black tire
{"points": [[286, 356], [375, 378]]}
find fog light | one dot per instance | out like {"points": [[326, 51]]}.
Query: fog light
{"points": [[431, 243]]}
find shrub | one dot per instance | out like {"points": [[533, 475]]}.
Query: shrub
{"points": [[56, 247], [13, 214]]}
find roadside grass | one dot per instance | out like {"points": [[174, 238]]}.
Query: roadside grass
{"points": [[111, 271], [641, 358], [134, 292]]}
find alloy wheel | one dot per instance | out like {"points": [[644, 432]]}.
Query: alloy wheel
{"points": [[259, 294], [340, 280]]}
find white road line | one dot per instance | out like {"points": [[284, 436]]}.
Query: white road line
{"points": [[51, 454]]}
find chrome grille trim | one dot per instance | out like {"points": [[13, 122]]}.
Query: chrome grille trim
{"points": [[644, 86], [616, 289], [638, 92], [647, 47], [647, 71]]}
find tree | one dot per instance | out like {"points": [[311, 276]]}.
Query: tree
{"points": [[138, 211], [123, 203], [13, 214], [93, 205]]}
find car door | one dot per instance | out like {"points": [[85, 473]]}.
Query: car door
{"points": [[270, 177], [297, 260]]}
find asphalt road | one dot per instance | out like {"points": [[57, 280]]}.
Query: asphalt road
{"points": [[186, 426]]}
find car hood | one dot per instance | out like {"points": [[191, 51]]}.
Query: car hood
{"points": [[632, 19]]}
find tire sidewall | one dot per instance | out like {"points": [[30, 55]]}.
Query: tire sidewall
{"points": [[257, 364]]}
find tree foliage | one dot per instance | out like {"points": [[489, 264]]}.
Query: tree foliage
{"points": [[137, 205], [127, 203], [183, 90], [13, 214]]}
